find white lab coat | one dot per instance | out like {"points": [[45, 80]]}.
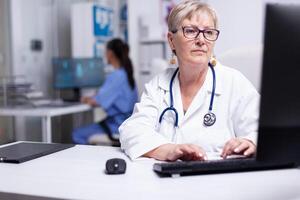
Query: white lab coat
{"points": [[236, 106]]}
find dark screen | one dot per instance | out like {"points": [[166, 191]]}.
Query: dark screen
{"points": [[280, 102], [279, 126]]}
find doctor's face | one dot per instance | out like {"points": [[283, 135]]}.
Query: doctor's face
{"points": [[193, 51]]}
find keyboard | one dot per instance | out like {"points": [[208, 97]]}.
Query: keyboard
{"points": [[214, 166]]}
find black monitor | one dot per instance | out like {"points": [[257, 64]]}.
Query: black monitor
{"points": [[281, 67], [77, 73], [280, 88]]}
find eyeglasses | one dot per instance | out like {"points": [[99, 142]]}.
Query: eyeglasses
{"points": [[192, 32]]}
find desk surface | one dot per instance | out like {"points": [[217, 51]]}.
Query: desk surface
{"points": [[78, 173], [44, 111]]}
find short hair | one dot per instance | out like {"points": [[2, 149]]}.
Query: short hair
{"points": [[186, 9]]}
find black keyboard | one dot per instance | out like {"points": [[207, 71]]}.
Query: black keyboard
{"points": [[214, 166]]}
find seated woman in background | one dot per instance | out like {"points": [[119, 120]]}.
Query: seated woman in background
{"points": [[116, 96]]}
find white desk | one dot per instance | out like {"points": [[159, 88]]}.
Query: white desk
{"points": [[78, 173], [45, 114]]}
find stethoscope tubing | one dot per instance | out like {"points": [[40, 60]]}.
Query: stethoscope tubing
{"points": [[172, 108], [213, 87]]}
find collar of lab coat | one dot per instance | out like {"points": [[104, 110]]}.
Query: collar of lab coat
{"points": [[165, 78], [164, 83]]}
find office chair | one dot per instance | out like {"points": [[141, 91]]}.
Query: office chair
{"points": [[108, 139], [246, 59], [104, 140]]}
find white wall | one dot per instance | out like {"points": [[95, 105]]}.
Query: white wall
{"points": [[240, 23]]}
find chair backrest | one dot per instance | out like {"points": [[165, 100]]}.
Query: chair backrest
{"points": [[248, 60], [158, 65]]}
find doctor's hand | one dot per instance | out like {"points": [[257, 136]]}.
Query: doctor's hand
{"points": [[172, 152], [239, 146]]}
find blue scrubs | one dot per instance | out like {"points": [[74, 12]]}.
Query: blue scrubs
{"points": [[117, 98]]}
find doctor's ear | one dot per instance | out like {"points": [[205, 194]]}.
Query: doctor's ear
{"points": [[170, 40]]}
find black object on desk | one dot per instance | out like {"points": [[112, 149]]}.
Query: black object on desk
{"points": [[115, 166], [217, 166], [24, 151]]}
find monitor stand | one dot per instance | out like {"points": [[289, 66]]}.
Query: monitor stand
{"points": [[75, 97], [76, 92]]}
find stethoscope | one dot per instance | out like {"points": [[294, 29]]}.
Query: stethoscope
{"points": [[209, 118]]}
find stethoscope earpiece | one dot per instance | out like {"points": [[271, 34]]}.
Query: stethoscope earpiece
{"points": [[210, 118]]}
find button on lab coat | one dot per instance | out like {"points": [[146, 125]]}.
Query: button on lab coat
{"points": [[236, 106]]}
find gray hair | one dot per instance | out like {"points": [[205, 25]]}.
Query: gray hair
{"points": [[186, 9]]}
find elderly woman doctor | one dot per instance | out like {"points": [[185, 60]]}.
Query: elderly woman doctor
{"points": [[199, 108]]}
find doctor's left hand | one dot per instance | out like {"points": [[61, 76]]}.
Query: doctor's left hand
{"points": [[240, 146]]}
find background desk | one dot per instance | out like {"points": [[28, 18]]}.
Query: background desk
{"points": [[45, 114], [78, 173]]}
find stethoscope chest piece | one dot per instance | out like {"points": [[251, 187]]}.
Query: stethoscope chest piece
{"points": [[209, 119]]}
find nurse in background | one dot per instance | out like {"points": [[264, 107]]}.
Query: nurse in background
{"points": [[116, 96], [193, 31]]}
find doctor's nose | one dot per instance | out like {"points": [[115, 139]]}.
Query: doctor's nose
{"points": [[200, 40]]}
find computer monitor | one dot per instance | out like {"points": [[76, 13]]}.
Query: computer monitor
{"points": [[77, 73], [279, 124]]}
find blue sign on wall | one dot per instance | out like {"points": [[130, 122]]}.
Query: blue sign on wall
{"points": [[102, 18]]}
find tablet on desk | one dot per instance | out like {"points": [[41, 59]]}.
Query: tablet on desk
{"points": [[25, 151]]}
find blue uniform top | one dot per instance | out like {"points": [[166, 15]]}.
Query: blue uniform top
{"points": [[117, 98]]}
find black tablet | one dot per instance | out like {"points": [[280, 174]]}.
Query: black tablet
{"points": [[24, 151]]}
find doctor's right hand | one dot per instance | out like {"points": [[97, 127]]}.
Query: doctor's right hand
{"points": [[172, 152]]}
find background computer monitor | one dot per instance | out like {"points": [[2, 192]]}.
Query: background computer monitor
{"points": [[77, 73]]}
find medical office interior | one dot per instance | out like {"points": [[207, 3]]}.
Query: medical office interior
{"points": [[38, 36], [53, 53]]}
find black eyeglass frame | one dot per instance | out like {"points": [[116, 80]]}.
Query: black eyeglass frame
{"points": [[199, 31]]}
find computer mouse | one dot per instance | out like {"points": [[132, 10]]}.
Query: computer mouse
{"points": [[115, 166]]}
